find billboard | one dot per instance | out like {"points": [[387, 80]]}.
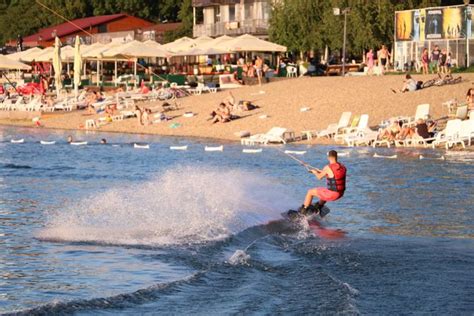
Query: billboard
{"points": [[434, 24], [453, 23]]}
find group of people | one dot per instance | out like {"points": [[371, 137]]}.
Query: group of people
{"points": [[396, 131], [225, 111], [439, 61], [383, 58]]}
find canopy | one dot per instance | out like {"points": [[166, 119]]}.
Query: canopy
{"points": [[98, 50], [136, 49], [215, 43], [10, 64], [46, 55], [196, 51], [24, 54], [67, 53], [203, 40], [249, 43], [57, 65], [183, 43], [152, 43], [77, 65]]}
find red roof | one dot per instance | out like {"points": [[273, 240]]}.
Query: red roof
{"points": [[67, 28]]}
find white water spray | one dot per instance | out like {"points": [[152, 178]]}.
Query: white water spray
{"points": [[182, 205]]}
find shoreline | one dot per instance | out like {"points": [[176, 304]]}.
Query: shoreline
{"points": [[281, 102]]}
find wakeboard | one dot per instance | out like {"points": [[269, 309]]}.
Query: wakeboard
{"points": [[313, 220]]}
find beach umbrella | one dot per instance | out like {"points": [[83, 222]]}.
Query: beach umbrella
{"points": [[43, 56], [183, 43], [196, 51], [250, 43], [10, 64], [23, 56], [57, 65], [77, 66], [326, 54], [136, 49]]}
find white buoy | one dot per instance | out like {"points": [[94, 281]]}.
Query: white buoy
{"points": [[138, 146], [179, 148], [218, 148], [252, 151], [432, 158], [17, 141], [386, 157], [295, 152], [45, 142], [78, 143], [342, 154]]}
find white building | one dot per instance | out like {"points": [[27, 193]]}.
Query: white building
{"points": [[231, 17]]}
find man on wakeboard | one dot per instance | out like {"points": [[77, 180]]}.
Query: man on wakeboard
{"points": [[335, 174]]}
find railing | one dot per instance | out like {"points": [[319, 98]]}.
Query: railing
{"points": [[204, 3], [258, 27]]}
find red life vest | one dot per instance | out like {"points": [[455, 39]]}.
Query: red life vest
{"points": [[338, 183]]}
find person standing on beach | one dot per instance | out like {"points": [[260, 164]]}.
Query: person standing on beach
{"points": [[259, 69], [335, 174], [435, 54], [383, 56], [425, 60], [370, 62]]}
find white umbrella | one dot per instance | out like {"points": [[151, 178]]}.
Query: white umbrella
{"points": [[326, 54], [180, 44], [77, 66], [43, 56], [23, 56], [196, 51], [136, 49], [250, 43], [10, 64], [57, 65]]}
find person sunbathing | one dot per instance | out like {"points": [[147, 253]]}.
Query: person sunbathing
{"points": [[390, 133], [222, 114]]}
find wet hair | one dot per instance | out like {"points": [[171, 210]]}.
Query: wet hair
{"points": [[103, 141], [469, 92], [333, 154]]}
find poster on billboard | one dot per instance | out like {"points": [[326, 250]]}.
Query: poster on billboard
{"points": [[434, 24], [453, 23], [469, 26], [404, 25]]}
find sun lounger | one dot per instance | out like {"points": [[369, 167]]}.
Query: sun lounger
{"points": [[422, 112], [365, 137], [450, 134], [466, 133], [332, 129], [274, 135], [354, 132]]}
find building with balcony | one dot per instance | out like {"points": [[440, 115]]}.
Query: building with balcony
{"points": [[231, 17]]}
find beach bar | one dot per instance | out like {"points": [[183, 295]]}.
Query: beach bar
{"points": [[448, 27]]}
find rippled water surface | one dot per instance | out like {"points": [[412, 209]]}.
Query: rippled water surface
{"points": [[111, 229]]}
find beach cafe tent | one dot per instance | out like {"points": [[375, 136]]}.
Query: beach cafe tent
{"points": [[67, 53], [202, 40], [77, 65], [196, 51], [249, 43], [152, 43], [215, 43], [136, 49], [46, 55], [184, 43], [57, 65], [10, 64], [23, 56]]}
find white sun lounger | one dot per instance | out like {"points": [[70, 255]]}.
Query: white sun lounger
{"points": [[274, 135], [333, 129], [422, 112], [450, 134]]}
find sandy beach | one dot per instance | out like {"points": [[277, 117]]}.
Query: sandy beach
{"points": [[327, 98]]}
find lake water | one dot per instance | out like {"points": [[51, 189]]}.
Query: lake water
{"points": [[116, 230]]}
